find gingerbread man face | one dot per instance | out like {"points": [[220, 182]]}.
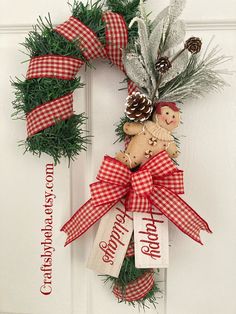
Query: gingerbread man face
{"points": [[168, 118]]}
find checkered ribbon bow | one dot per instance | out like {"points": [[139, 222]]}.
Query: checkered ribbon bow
{"points": [[156, 183]]}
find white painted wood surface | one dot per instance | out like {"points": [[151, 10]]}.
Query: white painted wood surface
{"points": [[22, 192], [200, 279]]}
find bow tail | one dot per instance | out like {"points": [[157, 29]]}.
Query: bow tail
{"points": [[179, 212], [84, 218]]}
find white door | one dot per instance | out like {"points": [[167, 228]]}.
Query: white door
{"points": [[200, 280]]}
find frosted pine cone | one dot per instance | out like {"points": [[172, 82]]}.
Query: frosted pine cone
{"points": [[138, 107], [193, 45], [163, 64]]}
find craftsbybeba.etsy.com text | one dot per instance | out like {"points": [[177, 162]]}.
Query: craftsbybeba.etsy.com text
{"points": [[47, 232]]}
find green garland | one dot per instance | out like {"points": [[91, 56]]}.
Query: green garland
{"points": [[31, 93], [129, 273], [66, 138], [91, 16], [119, 129]]}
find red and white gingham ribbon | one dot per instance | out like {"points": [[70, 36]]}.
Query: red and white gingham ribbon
{"points": [[50, 66], [116, 37], [136, 289], [158, 182], [88, 41], [46, 115], [130, 250], [131, 87]]}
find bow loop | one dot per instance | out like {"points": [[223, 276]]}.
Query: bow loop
{"points": [[105, 193], [113, 171], [173, 182], [160, 165], [142, 182]]}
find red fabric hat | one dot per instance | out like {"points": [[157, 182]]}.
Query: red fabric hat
{"points": [[172, 105]]}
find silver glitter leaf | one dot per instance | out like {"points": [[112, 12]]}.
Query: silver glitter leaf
{"points": [[175, 9], [136, 71], [162, 15], [155, 40], [145, 49], [176, 35]]}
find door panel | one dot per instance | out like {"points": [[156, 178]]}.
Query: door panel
{"points": [[201, 279]]}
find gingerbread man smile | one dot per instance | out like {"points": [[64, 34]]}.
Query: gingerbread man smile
{"points": [[168, 123]]}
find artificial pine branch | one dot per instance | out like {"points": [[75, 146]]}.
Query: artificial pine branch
{"points": [[129, 273], [200, 77], [64, 139], [119, 130], [44, 40], [91, 16], [31, 93], [128, 9]]}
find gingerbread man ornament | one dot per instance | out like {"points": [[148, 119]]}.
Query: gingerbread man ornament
{"points": [[152, 136]]}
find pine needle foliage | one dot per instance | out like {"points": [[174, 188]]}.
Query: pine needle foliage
{"points": [[31, 93], [90, 14], [64, 139], [44, 40], [129, 273], [128, 9], [119, 130], [146, 301], [200, 77]]}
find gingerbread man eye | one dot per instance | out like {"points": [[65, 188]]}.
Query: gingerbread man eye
{"points": [[167, 112], [173, 116]]}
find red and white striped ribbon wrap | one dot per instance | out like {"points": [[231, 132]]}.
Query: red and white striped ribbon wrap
{"points": [[88, 42], [51, 66], [61, 67], [136, 289], [58, 109], [116, 37], [157, 183]]}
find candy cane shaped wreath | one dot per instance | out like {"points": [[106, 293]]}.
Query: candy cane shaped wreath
{"points": [[159, 74]]}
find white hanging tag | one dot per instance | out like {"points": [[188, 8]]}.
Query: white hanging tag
{"points": [[111, 241], [151, 240]]}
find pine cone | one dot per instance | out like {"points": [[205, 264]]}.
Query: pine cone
{"points": [[163, 64], [193, 45], [138, 107]]}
